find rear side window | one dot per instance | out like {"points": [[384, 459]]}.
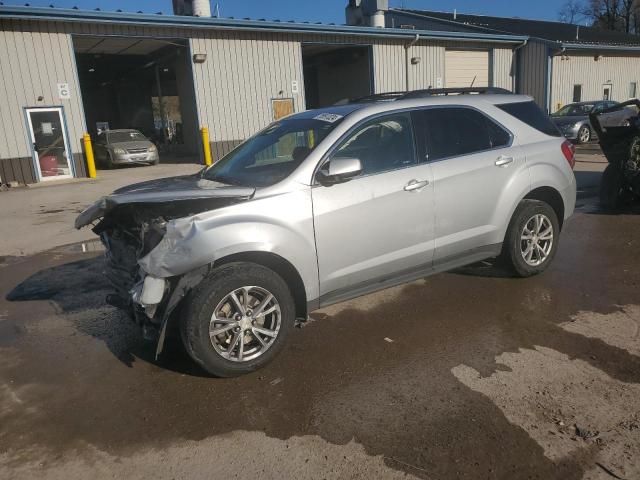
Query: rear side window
{"points": [[532, 115], [451, 132]]}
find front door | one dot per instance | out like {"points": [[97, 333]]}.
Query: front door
{"points": [[380, 224], [51, 152], [606, 92]]}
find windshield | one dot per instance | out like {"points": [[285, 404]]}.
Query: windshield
{"points": [[574, 110], [129, 136], [274, 153]]}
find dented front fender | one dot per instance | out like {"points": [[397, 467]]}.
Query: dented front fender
{"points": [[205, 238]]}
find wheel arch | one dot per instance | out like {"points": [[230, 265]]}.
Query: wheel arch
{"points": [[550, 196], [282, 267]]}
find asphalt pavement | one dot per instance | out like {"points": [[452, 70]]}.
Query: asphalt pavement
{"points": [[468, 374]]}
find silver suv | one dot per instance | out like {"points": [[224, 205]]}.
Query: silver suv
{"points": [[326, 205]]}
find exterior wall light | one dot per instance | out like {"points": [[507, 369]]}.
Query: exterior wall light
{"points": [[415, 60], [199, 57]]}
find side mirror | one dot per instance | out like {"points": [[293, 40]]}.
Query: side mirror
{"points": [[339, 170]]}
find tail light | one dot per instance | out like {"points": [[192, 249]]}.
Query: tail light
{"points": [[569, 152]]}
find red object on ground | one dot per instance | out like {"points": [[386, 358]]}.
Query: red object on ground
{"points": [[49, 166]]}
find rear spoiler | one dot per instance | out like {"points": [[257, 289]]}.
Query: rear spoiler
{"points": [[595, 122]]}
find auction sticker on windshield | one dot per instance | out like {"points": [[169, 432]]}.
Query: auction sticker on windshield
{"points": [[328, 117]]}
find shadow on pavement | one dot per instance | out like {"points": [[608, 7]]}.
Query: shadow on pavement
{"points": [[78, 290]]}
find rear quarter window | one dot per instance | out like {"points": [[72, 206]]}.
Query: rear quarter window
{"points": [[532, 115]]}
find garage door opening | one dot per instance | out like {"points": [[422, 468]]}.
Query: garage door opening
{"points": [[334, 73], [466, 68], [143, 84]]}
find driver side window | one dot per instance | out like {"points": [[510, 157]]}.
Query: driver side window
{"points": [[385, 143]]}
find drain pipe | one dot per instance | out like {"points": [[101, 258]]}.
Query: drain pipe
{"points": [[406, 59], [514, 58]]}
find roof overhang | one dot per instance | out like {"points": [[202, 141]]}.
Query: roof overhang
{"points": [[594, 47], [124, 18]]}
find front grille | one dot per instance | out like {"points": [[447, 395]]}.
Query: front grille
{"points": [[136, 150]]}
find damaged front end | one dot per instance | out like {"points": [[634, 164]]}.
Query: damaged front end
{"points": [[132, 222]]}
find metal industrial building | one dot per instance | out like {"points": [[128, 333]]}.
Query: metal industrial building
{"points": [[232, 76], [559, 64], [68, 71]]}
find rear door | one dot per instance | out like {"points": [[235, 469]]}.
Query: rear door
{"points": [[472, 161]]}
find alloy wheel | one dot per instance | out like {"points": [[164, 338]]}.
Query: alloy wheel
{"points": [[245, 324], [536, 240], [585, 135]]}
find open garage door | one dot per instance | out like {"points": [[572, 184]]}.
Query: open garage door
{"points": [[334, 73], [466, 68], [143, 84]]}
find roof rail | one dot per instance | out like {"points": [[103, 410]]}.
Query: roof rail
{"points": [[429, 92], [454, 91], [379, 97]]}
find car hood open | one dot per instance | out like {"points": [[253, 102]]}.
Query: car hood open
{"points": [[177, 192]]}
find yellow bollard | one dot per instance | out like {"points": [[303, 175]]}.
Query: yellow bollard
{"points": [[88, 150], [207, 147]]}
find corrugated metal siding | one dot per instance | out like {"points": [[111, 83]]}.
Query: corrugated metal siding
{"points": [[34, 58], [582, 69], [233, 103], [503, 68], [390, 68], [230, 102], [532, 71]]}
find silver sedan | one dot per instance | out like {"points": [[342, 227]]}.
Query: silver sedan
{"points": [[573, 119], [124, 147]]}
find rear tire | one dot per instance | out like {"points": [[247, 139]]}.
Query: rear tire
{"points": [[584, 134], [611, 188], [532, 238], [261, 334]]}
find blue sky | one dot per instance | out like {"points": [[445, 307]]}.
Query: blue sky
{"points": [[319, 10]]}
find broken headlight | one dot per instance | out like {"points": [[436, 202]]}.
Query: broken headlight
{"points": [[153, 233]]}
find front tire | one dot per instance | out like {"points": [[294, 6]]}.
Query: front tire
{"points": [[237, 320], [584, 134], [532, 238]]}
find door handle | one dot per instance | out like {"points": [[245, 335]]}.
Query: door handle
{"points": [[415, 185], [504, 161]]}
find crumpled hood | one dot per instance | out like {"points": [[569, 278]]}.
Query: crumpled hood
{"points": [[170, 190]]}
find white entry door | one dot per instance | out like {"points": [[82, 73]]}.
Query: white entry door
{"points": [[466, 68], [50, 145]]}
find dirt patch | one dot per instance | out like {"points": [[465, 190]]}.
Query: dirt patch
{"points": [[570, 408], [620, 329], [235, 455]]}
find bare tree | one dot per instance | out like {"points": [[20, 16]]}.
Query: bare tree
{"points": [[619, 15], [572, 11], [629, 15]]}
